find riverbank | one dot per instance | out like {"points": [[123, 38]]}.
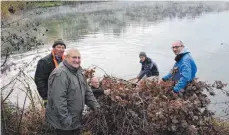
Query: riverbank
{"points": [[33, 123], [15, 7]]}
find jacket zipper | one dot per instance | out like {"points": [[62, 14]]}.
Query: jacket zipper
{"points": [[81, 90]]}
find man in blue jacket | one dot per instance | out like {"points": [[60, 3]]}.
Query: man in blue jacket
{"points": [[184, 70], [149, 67]]}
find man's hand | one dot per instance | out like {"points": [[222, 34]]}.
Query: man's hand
{"points": [[172, 93], [97, 111], [161, 80], [135, 80], [137, 77], [107, 92], [175, 94]]}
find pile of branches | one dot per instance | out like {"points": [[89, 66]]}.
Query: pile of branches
{"points": [[151, 108]]}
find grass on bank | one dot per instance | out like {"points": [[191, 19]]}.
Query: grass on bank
{"points": [[21, 5]]}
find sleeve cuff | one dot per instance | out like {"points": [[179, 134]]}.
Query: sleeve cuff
{"points": [[96, 107], [175, 90]]}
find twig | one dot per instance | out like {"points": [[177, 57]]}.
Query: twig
{"points": [[18, 130], [12, 88], [101, 69], [5, 129], [29, 89], [18, 74], [223, 102], [7, 55]]}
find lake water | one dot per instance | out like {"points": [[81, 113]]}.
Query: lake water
{"points": [[111, 35]]}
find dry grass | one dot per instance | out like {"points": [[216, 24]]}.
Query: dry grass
{"points": [[221, 126], [27, 122], [5, 5]]}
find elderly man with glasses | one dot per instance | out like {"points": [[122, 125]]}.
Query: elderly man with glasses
{"points": [[184, 69], [68, 92]]}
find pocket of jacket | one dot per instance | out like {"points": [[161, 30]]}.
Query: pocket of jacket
{"points": [[67, 122], [75, 121]]}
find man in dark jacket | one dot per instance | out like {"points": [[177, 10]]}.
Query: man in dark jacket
{"points": [[68, 92], [46, 65], [96, 89], [149, 67]]}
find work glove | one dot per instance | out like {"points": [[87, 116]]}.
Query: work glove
{"points": [[107, 92]]}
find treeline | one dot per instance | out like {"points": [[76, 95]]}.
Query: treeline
{"points": [[12, 7]]}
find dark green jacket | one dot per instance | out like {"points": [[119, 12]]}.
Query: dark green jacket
{"points": [[68, 92]]}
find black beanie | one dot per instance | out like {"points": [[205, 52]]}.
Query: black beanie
{"points": [[58, 42], [142, 54]]}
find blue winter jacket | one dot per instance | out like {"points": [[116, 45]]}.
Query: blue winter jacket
{"points": [[186, 71]]}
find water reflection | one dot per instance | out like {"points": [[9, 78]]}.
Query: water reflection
{"points": [[73, 22]]}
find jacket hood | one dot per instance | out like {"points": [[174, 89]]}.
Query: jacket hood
{"points": [[184, 51]]}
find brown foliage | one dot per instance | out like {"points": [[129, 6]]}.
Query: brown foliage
{"points": [[150, 108]]}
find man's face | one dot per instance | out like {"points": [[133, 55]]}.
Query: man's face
{"points": [[59, 50], [142, 58], [95, 82], [74, 59], [177, 48]]}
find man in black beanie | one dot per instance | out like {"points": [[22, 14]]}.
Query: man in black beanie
{"points": [[149, 67], [46, 65]]}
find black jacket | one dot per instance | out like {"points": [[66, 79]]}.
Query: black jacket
{"points": [[44, 68], [149, 68], [97, 91]]}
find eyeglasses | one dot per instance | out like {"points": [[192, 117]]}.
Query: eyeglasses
{"points": [[175, 47], [95, 82], [75, 57]]}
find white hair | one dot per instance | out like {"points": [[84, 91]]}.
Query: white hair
{"points": [[70, 51]]}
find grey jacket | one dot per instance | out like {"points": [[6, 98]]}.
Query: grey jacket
{"points": [[68, 92]]}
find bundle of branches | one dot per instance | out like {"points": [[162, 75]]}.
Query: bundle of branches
{"points": [[150, 108]]}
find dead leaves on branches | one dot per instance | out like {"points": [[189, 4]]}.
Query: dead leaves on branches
{"points": [[149, 108]]}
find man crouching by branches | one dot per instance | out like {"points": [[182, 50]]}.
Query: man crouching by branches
{"points": [[67, 94], [46, 65], [149, 68], [96, 88]]}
